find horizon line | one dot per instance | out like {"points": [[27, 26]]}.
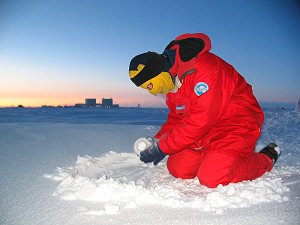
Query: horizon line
{"points": [[137, 105]]}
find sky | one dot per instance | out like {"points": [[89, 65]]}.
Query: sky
{"points": [[61, 52]]}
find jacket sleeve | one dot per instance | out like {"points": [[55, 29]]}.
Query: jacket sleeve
{"points": [[204, 111], [169, 124]]}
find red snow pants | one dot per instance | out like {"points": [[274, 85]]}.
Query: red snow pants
{"points": [[219, 164]]}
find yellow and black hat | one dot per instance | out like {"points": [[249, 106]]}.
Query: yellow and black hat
{"points": [[153, 64]]}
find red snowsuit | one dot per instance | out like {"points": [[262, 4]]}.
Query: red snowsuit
{"points": [[214, 120]]}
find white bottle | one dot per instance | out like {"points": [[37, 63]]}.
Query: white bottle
{"points": [[141, 144]]}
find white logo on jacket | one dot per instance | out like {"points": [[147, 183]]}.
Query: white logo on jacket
{"points": [[180, 107], [201, 88]]}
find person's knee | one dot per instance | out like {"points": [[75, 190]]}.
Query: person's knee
{"points": [[208, 180], [181, 172], [212, 178], [216, 169], [184, 164]]}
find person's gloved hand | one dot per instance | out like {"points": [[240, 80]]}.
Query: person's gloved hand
{"points": [[152, 153]]}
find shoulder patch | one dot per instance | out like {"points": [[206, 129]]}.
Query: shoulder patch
{"points": [[201, 88]]}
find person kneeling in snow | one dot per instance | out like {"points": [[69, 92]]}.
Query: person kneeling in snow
{"points": [[214, 120]]}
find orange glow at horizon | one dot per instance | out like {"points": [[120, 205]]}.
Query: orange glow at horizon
{"points": [[68, 100], [37, 102]]}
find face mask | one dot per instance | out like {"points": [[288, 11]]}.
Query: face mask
{"points": [[161, 84]]}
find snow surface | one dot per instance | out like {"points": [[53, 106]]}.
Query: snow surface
{"points": [[77, 166]]}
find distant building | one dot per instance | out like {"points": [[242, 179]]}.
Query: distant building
{"points": [[108, 103], [90, 102]]}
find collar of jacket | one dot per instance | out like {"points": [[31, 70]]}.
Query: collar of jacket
{"points": [[177, 85], [184, 44], [182, 69]]}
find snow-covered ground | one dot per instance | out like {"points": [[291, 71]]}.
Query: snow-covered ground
{"points": [[77, 166]]}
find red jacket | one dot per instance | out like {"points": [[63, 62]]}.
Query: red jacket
{"points": [[214, 101]]}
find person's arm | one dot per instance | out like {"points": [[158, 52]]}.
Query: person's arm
{"points": [[170, 123], [204, 112]]}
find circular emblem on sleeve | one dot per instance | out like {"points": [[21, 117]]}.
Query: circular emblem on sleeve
{"points": [[201, 88]]}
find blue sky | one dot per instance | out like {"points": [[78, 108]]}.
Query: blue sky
{"points": [[60, 52]]}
